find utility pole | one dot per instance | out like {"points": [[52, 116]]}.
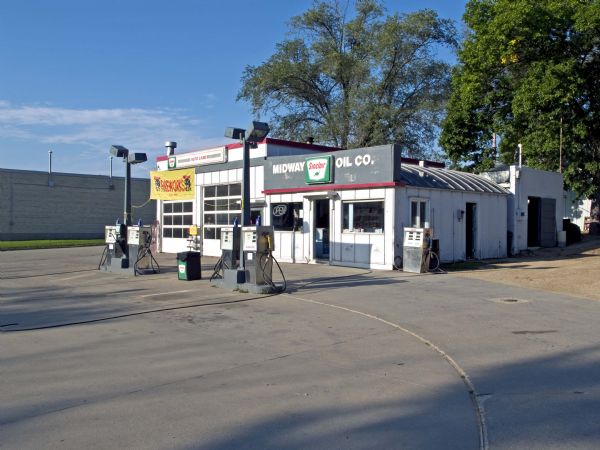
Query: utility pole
{"points": [[560, 157]]}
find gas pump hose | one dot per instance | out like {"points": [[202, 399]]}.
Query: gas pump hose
{"points": [[218, 269], [103, 257], [269, 254], [142, 252]]}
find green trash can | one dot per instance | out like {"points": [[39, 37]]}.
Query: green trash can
{"points": [[188, 266]]}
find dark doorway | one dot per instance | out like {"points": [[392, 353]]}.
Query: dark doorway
{"points": [[470, 230], [533, 222], [321, 229], [541, 222]]}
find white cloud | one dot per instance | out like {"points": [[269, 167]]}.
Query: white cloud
{"points": [[209, 101], [132, 127], [81, 138], [12, 132]]}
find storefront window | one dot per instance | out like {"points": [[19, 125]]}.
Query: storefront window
{"points": [[177, 218], [286, 216], [363, 217], [222, 204]]}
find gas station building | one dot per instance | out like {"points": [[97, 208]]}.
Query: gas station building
{"points": [[342, 207]]}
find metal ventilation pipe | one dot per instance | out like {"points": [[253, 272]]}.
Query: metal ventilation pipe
{"points": [[110, 177], [171, 146]]}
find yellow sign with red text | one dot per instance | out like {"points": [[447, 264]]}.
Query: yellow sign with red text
{"points": [[172, 184]]}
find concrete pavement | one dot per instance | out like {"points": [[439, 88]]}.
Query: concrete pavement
{"points": [[347, 358]]}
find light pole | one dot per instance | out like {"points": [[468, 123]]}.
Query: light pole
{"points": [[256, 132], [135, 158]]}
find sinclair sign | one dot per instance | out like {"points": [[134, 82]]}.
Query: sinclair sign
{"points": [[317, 170]]}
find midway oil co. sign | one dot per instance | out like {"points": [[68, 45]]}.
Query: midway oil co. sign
{"points": [[343, 168]]}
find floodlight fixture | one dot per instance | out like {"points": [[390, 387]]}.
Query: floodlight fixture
{"points": [[136, 158], [257, 131], [119, 151], [235, 133]]}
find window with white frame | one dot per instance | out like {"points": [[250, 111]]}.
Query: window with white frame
{"points": [[177, 218], [419, 213], [363, 216], [222, 204]]}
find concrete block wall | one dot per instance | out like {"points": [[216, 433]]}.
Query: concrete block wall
{"points": [[75, 206]]}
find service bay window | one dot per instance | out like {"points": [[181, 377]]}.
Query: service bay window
{"points": [[177, 218], [363, 217], [222, 204], [419, 213]]}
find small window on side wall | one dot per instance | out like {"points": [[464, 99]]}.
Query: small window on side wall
{"points": [[419, 213]]}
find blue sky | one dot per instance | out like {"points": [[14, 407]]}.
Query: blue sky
{"points": [[79, 75]]}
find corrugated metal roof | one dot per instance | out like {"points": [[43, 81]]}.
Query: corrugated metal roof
{"points": [[434, 178]]}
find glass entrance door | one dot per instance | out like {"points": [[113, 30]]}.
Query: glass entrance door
{"points": [[321, 229]]}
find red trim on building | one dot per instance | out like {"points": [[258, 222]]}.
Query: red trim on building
{"points": [[317, 148], [282, 142], [321, 148], [293, 144], [332, 187]]}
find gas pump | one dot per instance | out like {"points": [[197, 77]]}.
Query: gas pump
{"points": [[139, 238], [416, 251], [127, 249], [230, 247], [258, 244], [116, 253], [255, 274], [230, 251]]}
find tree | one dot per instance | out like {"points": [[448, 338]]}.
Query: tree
{"points": [[368, 80], [527, 71]]}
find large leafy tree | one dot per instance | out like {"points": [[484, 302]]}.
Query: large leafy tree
{"points": [[527, 71], [355, 81]]}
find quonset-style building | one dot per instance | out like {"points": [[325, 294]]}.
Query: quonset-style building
{"points": [[342, 207]]}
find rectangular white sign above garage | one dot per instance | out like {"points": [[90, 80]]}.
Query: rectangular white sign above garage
{"points": [[199, 158]]}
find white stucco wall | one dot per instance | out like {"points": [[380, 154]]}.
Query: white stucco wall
{"points": [[378, 250], [490, 238], [527, 182], [212, 247]]}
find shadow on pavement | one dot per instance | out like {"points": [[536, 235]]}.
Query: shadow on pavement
{"points": [[547, 402]]}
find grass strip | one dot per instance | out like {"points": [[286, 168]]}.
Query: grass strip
{"points": [[50, 243]]}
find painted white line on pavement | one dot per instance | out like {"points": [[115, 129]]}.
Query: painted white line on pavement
{"points": [[166, 293], [479, 411]]}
